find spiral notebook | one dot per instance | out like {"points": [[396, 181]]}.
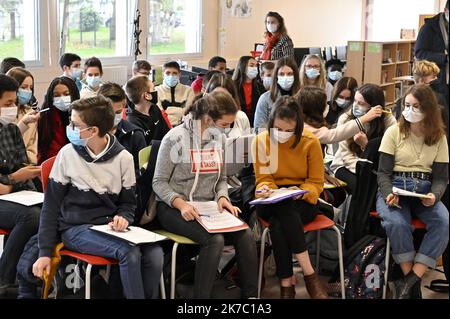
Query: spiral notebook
{"points": [[216, 222], [278, 195]]}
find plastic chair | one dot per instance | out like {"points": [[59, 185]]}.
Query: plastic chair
{"points": [[91, 260], [319, 223], [144, 157], [4, 232], [417, 224]]}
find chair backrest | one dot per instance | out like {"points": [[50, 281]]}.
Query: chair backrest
{"points": [[299, 53], [317, 51], [46, 168], [144, 156], [329, 53], [341, 52]]}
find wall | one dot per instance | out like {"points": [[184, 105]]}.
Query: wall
{"points": [[310, 23]]}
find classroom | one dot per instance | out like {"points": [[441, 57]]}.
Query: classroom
{"points": [[245, 150]]}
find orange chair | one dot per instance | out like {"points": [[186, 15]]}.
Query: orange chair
{"points": [[417, 224], [321, 222], [91, 260]]}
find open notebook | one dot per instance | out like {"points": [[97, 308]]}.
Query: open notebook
{"points": [[26, 198], [278, 195], [216, 222], [135, 236], [402, 192]]}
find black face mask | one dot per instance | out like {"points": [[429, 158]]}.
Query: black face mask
{"points": [[154, 99]]}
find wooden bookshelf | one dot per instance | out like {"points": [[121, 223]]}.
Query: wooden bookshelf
{"points": [[380, 63]]}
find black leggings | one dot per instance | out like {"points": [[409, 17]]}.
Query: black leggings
{"points": [[211, 246], [346, 176], [286, 220]]}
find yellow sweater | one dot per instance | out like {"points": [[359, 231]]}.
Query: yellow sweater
{"points": [[284, 166]]}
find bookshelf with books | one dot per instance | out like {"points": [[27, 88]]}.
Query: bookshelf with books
{"points": [[382, 62]]}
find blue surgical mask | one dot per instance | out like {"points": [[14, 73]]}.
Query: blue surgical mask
{"points": [[117, 119], [24, 96], [171, 80], [286, 82], [76, 73], [62, 103], [335, 75], [74, 136], [267, 82], [312, 73], [252, 72], [359, 110], [342, 103], [93, 81]]}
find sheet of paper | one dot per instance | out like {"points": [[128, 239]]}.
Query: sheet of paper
{"points": [[212, 219], [135, 235], [402, 192], [26, 198]]}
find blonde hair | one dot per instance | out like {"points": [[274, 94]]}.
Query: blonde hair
{"points": [[321, 80], [425, 68]]}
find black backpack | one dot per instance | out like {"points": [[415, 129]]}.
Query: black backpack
{"points": [[364, 267]]}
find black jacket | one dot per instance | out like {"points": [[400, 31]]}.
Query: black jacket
{"points": [[257, 91], [153, 125], [430, 46], [132, 138]]}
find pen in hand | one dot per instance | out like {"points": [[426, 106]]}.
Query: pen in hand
{"points": [[110, 221]]}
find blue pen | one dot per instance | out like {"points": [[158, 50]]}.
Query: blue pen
{"points": [[204, 215]]}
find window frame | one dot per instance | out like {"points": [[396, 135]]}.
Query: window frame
{"points": [[164, 57]]}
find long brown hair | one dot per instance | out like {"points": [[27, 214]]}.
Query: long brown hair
{"points": [[373, 95], [215, 104], [432, 124], [20, 74], [281, 63], [220, 80], [313, 101], [345, 83], [282, 26]]}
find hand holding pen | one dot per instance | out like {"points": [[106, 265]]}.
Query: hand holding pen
{"points": [[118, 223], [263, 192]]}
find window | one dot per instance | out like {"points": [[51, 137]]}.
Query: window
{"points": [[99, 28], [386, 18], [174, 26], [19, 29]]}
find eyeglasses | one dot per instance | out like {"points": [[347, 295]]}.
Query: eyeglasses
{"points": [[74, 127]]}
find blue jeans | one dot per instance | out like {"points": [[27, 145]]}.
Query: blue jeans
{"points": [[397, 223], [140, 266]]}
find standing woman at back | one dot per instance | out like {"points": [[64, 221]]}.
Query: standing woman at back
{"points": [[278, 44], [248, 86]]}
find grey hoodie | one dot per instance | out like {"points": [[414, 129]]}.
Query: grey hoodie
{"points": [[177, 175]]}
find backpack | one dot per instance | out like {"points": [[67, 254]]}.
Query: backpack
{"points": [[364, 267]]}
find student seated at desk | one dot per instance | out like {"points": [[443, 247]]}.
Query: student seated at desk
{"points": [[248, 85], [52, 124], [414, 157], [298, 165], [179, 179], [342, 99], [312, 72], [285, 82], [15, 175], [73, 203], [365, 144], [144, 113], [174, 97]]}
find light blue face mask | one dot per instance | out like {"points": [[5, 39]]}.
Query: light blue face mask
{"points": [[358, 110], [76, 73], [117, 119], [62, 103], [93, 81], [252, 72], [335, 75], [286, 82], [267, 81], [74, 136], [312, 73], [24, 96], [171, 80]]}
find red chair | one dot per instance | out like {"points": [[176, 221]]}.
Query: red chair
{"points": [[417, 224], [91, 260], [320, 223], [4, 231]]}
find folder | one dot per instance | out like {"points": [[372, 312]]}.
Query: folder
{"points": [[278, 195], [402, 192], [135, 235]]}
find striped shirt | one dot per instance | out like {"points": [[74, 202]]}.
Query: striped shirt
{"points": [[283, 49]]}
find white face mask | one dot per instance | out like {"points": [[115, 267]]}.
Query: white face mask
{"points": [[117, 119], [62, 103], [342, 103], [8, 115], [282, 137], [267, 81], [412, 114], [272, 28], [286, 82], [252, 72], [446, 15]]}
